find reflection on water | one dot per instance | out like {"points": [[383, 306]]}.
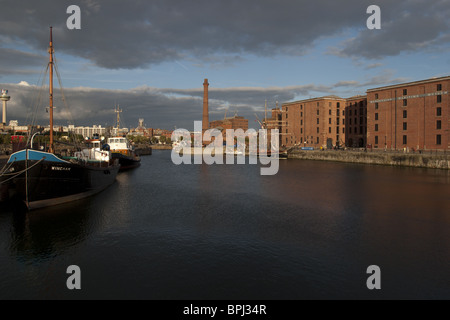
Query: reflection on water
{"points": [[46, 233], [226, 232]]}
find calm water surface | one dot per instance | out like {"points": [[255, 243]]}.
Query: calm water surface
{"points": [[226, 232]]}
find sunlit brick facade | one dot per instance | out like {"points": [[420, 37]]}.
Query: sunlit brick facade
{"points": [[411, 115], [317, 122]]}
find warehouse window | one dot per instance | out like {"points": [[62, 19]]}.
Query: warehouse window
{"points": [[439, 99], [405, 102], [439, 111], [438, 124], [438, 139], [329, 129], [405, 114], [376, 139], [405, 139], [376, 127], [405, 125], [405, 92], [329, 120], [376, 95], [376, 105], [439, 87]]}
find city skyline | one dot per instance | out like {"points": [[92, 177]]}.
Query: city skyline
{"points": [[151, 58]]}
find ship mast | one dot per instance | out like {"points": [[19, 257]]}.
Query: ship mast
{"points": [[50, 51], [118, 111]]}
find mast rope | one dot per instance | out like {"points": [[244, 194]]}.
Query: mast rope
{"points": [[16, 174], [63, 98]]}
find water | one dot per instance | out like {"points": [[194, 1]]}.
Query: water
{"points": [[226, 232]]}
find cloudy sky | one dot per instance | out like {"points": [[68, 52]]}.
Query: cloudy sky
{"points": [[151, 57]]}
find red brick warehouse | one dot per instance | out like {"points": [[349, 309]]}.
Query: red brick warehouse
{"points": [[412, 115]]}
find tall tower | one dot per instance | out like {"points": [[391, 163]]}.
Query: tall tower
{"points": [[205, 122], [4, 97]]}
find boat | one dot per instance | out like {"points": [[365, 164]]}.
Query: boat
{"points": [[43, 178], [122, 150]]}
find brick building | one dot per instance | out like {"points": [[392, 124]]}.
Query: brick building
{"points": [[356, 122], [317, 122], [412, 115], [235, 122]]}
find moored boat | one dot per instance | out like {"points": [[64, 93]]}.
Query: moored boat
{"points": [[44, 178], [122, 150]]}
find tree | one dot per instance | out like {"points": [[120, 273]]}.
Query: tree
{"points": [[5, 139]]}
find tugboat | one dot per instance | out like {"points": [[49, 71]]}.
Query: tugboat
{"points": [[122, 150], [44, 178]]}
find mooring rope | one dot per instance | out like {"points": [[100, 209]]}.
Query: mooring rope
{"points": [[16, 174]]}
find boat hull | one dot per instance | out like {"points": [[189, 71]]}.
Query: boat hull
{"points": [[127, 162], [45, 183]]}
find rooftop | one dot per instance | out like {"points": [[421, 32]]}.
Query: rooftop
{"points": [[435, 79]]}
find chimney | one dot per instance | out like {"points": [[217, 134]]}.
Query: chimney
{"points": [[205, 122]]}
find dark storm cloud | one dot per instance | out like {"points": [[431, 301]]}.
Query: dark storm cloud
{"points": [[169, 108], [13, 62], [132, 34], [406, 26]]}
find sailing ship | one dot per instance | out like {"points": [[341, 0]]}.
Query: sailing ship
{"points": [[44, 178]]}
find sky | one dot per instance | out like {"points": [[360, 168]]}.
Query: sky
{"points": [[151, 57]]}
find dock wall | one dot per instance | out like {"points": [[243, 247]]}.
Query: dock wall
{"points": [[436, 160]]}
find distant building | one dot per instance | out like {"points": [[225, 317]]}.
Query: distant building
{"points": [[89, 132], [413, 115], [141, 130], [235, 122], [14, 125]]}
